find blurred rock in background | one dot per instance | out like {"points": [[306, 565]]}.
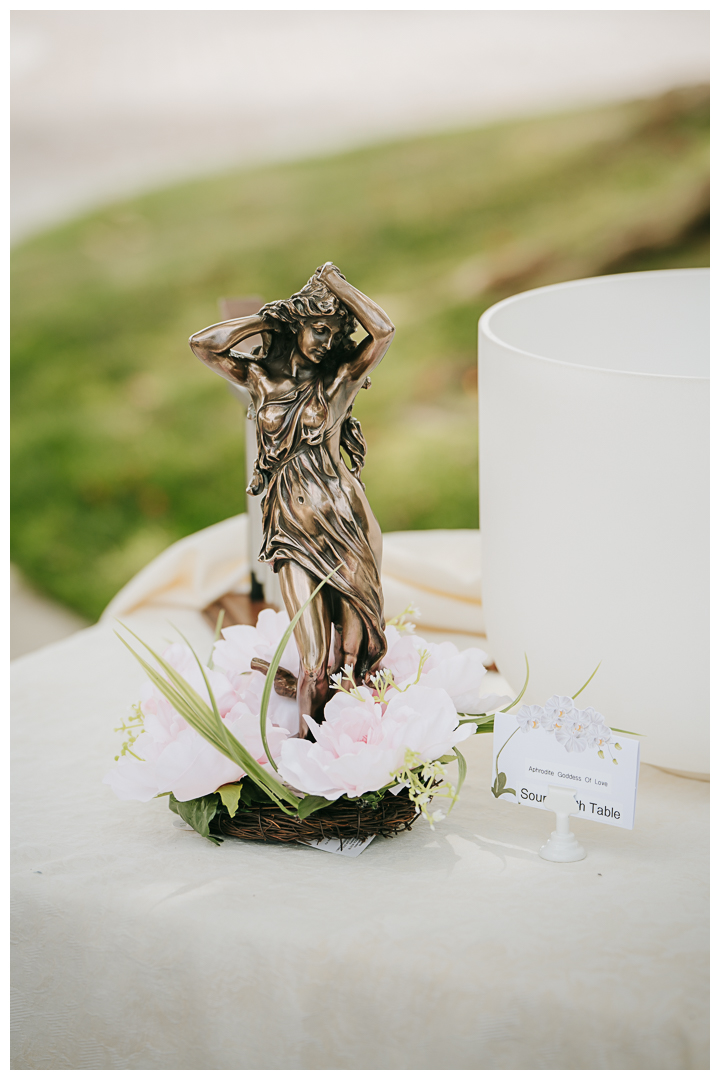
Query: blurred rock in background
{"points": [[36, 621]]}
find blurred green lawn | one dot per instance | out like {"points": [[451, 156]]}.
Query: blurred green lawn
{"points": [[123, 442]]}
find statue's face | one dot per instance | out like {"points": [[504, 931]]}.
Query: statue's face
{"points": [[317, 336]]}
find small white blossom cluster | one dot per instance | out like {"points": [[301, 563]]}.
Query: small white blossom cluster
{"points": [[577, 729], [425, 782], [402, 621]]}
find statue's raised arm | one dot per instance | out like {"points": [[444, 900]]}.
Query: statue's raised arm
{"points": [[372, 318], [215, 346]]}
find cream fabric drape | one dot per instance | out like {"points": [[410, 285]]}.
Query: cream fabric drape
{"points": [[439, 570]]}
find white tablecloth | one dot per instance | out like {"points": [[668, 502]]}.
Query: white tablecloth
{"points": [[137, 945]]}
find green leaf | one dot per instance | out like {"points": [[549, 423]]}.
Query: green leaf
{"points": [[198, 813], [275, 664], [218, 631], [230, 795], [311, 803], [621, 731], [252, 795], [368, 798], [487, 728], [498, 788], [467, 718], [462, 771]]}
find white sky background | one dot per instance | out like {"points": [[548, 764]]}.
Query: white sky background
{"points": [[109, 103]]}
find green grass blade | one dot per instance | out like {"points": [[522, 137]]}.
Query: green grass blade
{"points": [[189, 703], [186, 709], [208, 724], [487, 728], [221, 729], [275, 664], [176, 678], [216, 636], [586, 683], [520, 695], [234, 749]]}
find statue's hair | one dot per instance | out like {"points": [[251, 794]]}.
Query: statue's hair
{"points": [[284, 318], [313, 301]]}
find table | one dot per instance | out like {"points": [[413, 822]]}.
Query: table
{"points": [[137, 945], [140, 946]]}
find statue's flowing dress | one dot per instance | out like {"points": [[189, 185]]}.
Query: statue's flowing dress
{"points": [[313, 511]]}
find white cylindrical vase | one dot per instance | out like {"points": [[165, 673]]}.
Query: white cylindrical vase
{"points": [[594, 516]]}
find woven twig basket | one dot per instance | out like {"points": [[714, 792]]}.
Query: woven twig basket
{"points": [[393, 814]]}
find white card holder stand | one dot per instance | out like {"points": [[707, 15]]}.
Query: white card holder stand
{"points": [[562, 845]]}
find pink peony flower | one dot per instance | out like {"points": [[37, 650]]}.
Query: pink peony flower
{"points": [[423, 719], [174, 756], [403, 654], [131, 779], [350, 755], [361, 745], [190, 767], [181, 658], [316, 770], [239, 645], [282, 711], [447, 668], [491, 703]]}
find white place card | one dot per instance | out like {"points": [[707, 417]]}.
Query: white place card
{"points": [[350, 847], [526, 762]]}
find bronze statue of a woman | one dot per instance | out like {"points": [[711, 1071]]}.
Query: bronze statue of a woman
{"points": [[303, 381]]}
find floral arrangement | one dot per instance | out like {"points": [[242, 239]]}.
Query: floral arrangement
{"points": [[217, 738]]}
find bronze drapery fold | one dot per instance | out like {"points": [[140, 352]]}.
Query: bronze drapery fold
{"points": [[309, 515]]}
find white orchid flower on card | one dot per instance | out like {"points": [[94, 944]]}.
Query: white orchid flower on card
{"points": [[530, 717], [556, 710]]}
